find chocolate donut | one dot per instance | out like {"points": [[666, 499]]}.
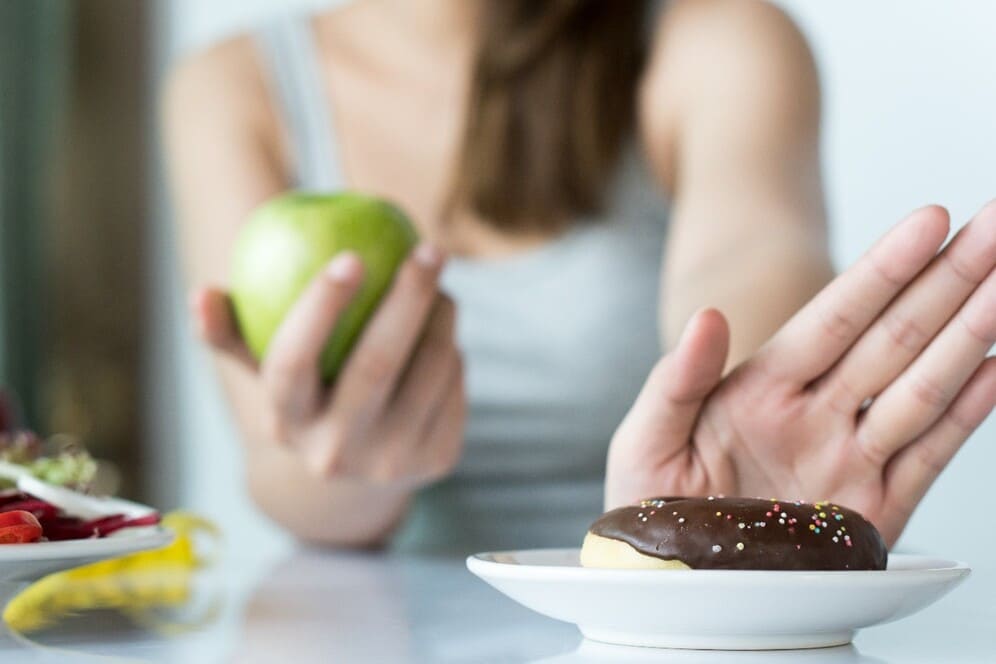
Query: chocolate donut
{"points": [[733, 533]]}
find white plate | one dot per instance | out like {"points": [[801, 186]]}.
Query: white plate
{"points": [[716, 609], [28, 562]]}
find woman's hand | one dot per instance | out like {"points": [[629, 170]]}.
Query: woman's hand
{"points": [[862, 398], [395, 413]]}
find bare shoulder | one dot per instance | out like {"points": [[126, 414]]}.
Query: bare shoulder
{"points": [[219, 134], [717, 40], [220, 84], [743, 21], [714, 58]]}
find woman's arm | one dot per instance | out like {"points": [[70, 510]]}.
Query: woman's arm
{"points": [[864, 395], [730, 115], [331, 470]]}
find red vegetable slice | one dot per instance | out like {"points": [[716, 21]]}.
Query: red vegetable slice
{"points": [[39, 508], [66, 528], [55, 524], [63, 528], [19, 527], [13, 496]]}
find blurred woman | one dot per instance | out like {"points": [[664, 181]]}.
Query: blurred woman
{"points": [[587, 177]]}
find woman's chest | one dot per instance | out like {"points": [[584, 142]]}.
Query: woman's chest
{"points": [[401, 138], [557, 342]]}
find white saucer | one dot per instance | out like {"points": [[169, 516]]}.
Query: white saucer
{"points": [[716, 609], [28, 562]]}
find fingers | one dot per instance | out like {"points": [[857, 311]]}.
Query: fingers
{"points": [[215, 323], [382, 352], [927, 388], [916, 316], [416, 450], [816, 337], [911, 472], [666, 409], [290, 370], [442, 440], [430, 371]]}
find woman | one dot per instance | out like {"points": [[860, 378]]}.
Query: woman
{"points": [[544, 151]]}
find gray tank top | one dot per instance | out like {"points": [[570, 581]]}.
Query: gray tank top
{"points": [[556, 340]]}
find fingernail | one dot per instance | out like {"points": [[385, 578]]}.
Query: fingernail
{"points": [[691, 323], [428, 255], [685, 331], [343, 267]]}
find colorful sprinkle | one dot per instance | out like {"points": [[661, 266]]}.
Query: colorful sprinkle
{"points": [[716, 548], [740, 546]]}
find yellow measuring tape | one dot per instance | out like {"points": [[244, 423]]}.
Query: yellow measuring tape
{"points": [[137, 584]]}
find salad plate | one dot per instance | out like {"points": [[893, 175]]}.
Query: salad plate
{"points": [[716, 609], [29, 562], [50, 518]]}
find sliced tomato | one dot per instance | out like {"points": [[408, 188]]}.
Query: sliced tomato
{"points": [[19, 527]]}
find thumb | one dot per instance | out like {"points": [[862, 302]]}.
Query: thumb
{"points": [[665, 412], [214, 322]]}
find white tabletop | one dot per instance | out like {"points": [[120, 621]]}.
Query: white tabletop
{"points": [[303, 606]]}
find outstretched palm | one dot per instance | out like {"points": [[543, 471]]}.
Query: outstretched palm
{"points": [[863, 397]]}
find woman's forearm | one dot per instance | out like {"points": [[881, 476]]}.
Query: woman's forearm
{"points": [[757, 288], [339, 512], [335, 512], [736, 146]]}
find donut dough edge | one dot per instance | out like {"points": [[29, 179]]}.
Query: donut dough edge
{"points": [[604, 552]]}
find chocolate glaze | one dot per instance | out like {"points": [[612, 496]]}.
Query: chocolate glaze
{"points": [[747, 533]]}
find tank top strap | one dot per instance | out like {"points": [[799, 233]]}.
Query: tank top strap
{"points": [[654, 10], [289, 54]]}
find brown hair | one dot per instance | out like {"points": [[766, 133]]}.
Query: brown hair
{"points": [[552, 100]]}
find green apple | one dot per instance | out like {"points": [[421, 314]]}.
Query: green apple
{"points": [[289, 239]]}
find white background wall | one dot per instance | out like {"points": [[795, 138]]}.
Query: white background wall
{"points": [[910, 99]]}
